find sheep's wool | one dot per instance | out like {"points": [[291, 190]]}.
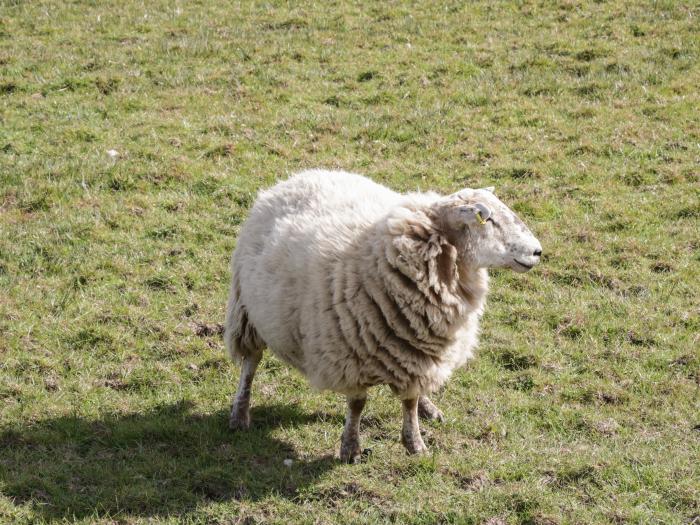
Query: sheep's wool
{"points": [[352, 284]]}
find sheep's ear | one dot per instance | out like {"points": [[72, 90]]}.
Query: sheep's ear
{"points": [[476, 213], [490, 189]]}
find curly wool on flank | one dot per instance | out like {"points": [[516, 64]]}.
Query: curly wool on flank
{"points": [[393, 316]]}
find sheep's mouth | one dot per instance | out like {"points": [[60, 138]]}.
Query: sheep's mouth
{"points": [[526, 266]]}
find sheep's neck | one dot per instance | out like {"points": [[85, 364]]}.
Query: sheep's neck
{"points": [[473, 284]]}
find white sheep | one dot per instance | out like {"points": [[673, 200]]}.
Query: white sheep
{"points": [[356, 285]]}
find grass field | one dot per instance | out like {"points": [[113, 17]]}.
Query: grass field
{"points": [[584, 403]]}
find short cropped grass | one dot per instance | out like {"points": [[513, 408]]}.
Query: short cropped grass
{"points": [[133, 139]]}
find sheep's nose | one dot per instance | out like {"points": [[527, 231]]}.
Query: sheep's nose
{"points": [[537, 253]]}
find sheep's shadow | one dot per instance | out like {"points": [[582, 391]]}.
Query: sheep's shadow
{"points": [[162, 462]]}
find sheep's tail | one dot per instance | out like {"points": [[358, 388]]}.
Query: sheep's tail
{"points": [[240, 336]]}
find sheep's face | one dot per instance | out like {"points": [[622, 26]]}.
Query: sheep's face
{"points": [[488, 233]]}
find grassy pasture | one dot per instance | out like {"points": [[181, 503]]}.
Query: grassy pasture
{"points": [[584, 403]]}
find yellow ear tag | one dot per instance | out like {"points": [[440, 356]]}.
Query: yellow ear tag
{"points": [[479, 218]]}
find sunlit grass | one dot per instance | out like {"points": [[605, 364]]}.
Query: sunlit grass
{"points": [[114, 387]]}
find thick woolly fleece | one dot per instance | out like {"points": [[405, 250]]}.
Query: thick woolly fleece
{"points": [[354, 285]]}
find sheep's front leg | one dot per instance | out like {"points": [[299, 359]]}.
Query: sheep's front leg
{"points": [[410, 434], [240, 410], [350, 451], [428, 411]]}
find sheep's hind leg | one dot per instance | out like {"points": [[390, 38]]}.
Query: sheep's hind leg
{"points": [[428, 411], [240, 410], [410, 433], [350, 451]]}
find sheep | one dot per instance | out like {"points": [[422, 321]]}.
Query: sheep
{"points": [[356, 285]]}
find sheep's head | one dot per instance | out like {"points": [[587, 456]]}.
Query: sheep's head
{"points": [[488, 233]]}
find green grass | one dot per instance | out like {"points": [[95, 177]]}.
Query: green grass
{"points": [[583, 405]]}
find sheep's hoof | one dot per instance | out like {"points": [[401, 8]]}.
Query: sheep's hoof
{"points": [[239, 421], [350, 452], [428, 411], [414, 446], [417, 450]]}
